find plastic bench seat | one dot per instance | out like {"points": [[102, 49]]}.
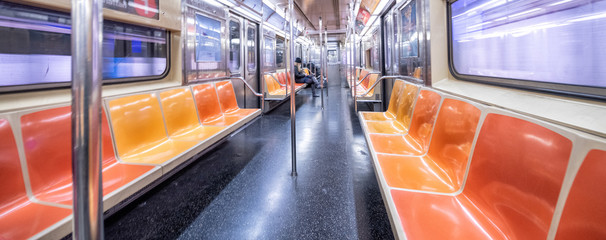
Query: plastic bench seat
{"points": [[273, 88], [47, 145], [403, 114], [181, 117], [511, 191], [416, 141], [298, 86], [442, 169], [584, 214], [20, 218], [139, 131], [229, 103], [390, 114], [209, 107]]}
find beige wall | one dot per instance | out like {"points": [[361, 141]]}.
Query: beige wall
{"points": [[581, 114]]}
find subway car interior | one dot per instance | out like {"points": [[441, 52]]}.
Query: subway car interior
{"points": [[303, 119]]}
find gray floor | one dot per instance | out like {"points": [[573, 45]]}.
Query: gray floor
{"points": [[243, 188]]}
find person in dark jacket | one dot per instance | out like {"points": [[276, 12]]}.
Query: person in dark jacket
{"points": [[301, 77]]}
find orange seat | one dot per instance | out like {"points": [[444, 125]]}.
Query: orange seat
{"points": [[47, 144], [229, 103], [584, 215], [273, 88], [181, 117], [443, 167], [20, 218], [403, 114], [297, 85], [390, 114], [511, 191], [139, 131], [209, 108]]}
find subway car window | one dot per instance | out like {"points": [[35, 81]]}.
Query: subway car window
{"points": [[207, 46], [133, 51], [409, 44], [234, 46], [556, 42], [270, 56], [250, 43], [35, 48], [280, 53]]}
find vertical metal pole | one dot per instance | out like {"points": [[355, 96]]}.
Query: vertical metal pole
{"points": [[293, 128], [325, 62], [322, 69], [355, 66], [261, 57], [87, 37]]}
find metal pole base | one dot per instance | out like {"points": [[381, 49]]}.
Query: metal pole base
{"points": [[294, 174]]}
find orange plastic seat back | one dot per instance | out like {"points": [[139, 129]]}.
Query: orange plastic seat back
{"points": [[137, 122], [395, 97], [371, 80], [12, 192], [584, 215], [282, 78], [405, 104], [47, 141], [275, 81], [227, 96], [269, 83], [288, 76], [453, 136], [424, 117], [362, 75], [207, 102], [179, 110], [516, 174], [47, 144], [417, 73]]}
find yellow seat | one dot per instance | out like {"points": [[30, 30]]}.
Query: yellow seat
{"points": [[181, 117], [403, 115], [139, 131], [390, 114]]}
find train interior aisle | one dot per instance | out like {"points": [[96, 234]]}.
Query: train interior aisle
{"points": [[243, 188], [302, 119]]}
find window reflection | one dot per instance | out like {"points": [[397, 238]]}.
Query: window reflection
{"points": [[35, 47], [234, 46], [547, 41]]}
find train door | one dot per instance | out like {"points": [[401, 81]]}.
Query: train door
{"points": [[235, 57], [388, 54], [251, 52]]}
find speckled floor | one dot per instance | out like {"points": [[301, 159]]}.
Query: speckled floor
{"points": [[243, 188]]}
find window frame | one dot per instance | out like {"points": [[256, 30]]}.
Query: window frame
{"points": [[533, 85], [111, 81]]}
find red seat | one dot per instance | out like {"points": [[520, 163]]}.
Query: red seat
{"points": [[511, 191], [47, 145], [20, 218], [209, 108], [229, 103], [584, 215]]}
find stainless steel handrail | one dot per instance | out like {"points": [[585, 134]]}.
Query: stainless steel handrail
{"points": [[262, 96], [368, 74], [409, 78]]}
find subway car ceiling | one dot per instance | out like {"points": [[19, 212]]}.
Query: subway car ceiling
{"points": [[504, 53]]}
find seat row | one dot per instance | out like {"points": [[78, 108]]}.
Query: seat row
{"points": [[144, 136], [277, 85], [451, 168]]}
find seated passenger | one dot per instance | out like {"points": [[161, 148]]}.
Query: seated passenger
{"points": [[301, 77]]}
